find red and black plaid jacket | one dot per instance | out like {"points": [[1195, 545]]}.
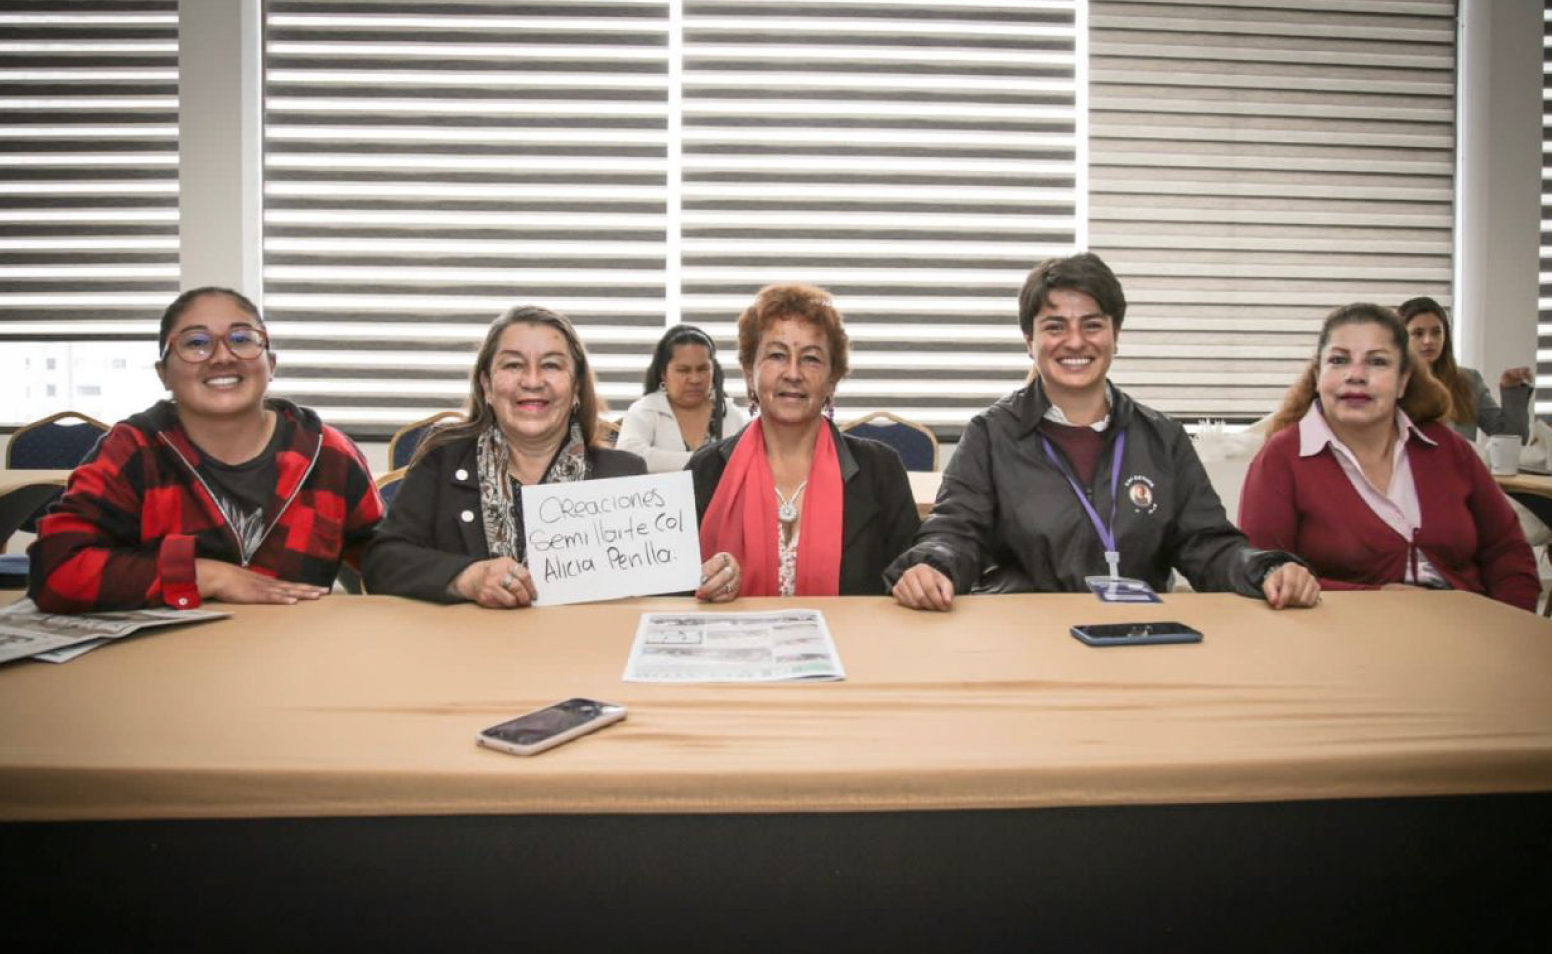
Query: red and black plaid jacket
{"points": [[136, 515]]}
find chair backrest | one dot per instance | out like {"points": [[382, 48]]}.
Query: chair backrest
{"points": [[401, 447], [388, 486], [917, 446], [50, 445], [608, 432]]}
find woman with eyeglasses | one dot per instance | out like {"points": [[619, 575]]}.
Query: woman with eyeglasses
{"points": [[221, 493]]}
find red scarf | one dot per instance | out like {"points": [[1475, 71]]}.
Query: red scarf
{"points": [[741, 519]]}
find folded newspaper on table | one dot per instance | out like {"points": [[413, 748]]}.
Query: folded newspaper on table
{"points": [[775, 646], [53, 637]]}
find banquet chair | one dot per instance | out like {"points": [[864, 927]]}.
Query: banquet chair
{"points": [[49, 444], [52, 443], [402, 446], [916, 445], [388, 486]]}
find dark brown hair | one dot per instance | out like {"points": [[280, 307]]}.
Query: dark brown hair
{"points": [[186, 300], [478, 414], [1463, 402], [1423, 400], [1084, 272]]}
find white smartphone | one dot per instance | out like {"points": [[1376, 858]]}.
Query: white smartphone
{"points": [[541, 729]]}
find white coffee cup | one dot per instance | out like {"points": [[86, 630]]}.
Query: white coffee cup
{"points": [[1503, 454]]}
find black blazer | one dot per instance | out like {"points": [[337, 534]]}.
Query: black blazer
{"points": [[878, 513], [434, 528]]}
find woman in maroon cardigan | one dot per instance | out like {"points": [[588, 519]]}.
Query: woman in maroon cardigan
{"points": [[1363, 479]]}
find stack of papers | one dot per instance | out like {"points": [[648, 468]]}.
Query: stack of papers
{"points": [[52, 637], [733, 647]]}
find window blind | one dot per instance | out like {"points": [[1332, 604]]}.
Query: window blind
{"points": [[88, 169], [635, 164], [1254, 165]]}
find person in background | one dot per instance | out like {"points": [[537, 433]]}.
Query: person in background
{"points": [[1472, 405], [455, 532], [1361, 477], [804, 509], [221, 493], [683, 404], [1068, 478]]}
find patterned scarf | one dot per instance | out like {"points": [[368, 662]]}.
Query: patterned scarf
{"points": [[501, 501]]}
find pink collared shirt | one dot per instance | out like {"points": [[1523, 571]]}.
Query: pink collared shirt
{"points": [[1396, 505]]}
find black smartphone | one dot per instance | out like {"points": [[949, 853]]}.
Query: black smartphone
{"points": [[546, 728], [1135, 634]]}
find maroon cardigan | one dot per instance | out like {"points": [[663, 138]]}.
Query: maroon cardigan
{"points": [[1469, 533]]}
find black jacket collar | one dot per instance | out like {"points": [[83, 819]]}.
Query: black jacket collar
{"points": [[1031, 403], [843, 453]]}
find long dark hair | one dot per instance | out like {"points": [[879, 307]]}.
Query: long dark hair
{"points": [[664, 353], [1424, 399], [1462, 400], [1084, 272], [478, 415]]}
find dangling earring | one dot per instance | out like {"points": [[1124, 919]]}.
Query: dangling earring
{"points": [[754, 403], [662, 385], [829, 407]]}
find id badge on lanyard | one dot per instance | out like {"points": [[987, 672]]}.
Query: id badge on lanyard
{"points": [[1114, 588]]}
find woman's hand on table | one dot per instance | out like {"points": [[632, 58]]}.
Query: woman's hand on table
{"points": [[720, 579], [1291, 585], [500, 583], [230, 583], [924, 588]]}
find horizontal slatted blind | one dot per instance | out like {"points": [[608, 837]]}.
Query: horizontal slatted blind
{"points": [[88, 169], [1254, 165], [913, 158], [638, 164], [430, 164]]}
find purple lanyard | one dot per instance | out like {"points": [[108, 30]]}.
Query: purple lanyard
{"points": [[1106, 534]]}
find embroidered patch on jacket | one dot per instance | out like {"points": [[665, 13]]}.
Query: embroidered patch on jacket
{"points": [[1139, 490]]}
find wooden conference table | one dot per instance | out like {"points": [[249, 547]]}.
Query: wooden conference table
{"points": [[1375, 769], [1525, 483]]}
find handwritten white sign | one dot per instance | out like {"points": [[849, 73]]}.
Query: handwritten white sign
{"points": [[604, 539]]}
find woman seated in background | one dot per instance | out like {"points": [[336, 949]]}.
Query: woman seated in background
{"points": [[803, 508], [221, 493], [1362, 479], [455, 532], [1471, 404], [683, 405], [1068, 478]]}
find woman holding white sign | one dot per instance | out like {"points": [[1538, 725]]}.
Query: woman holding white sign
{"points": [[455, 530], [805, 509]]}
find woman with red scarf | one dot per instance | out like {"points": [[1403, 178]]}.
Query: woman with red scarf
{"points": [[798, 507]]}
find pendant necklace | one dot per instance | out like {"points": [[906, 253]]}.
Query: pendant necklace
{"points": [[787, 510]]}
